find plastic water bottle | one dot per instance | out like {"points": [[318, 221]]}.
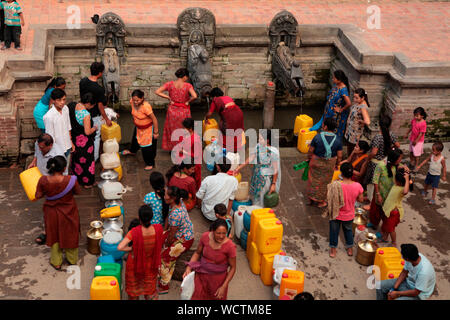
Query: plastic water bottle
{"points": [[211, 150]]}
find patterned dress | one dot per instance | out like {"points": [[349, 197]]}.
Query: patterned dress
{"points": [[176, 112], [184, 238], [155, 202], [83, 162], [267, 161], [336, 97], [354, 129]]}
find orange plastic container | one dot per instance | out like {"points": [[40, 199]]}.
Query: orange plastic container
{"points": [[29, 179], [256, 216], [386, 253], [267, 267], [254, 258], [105, 288], [269, 235], [292, 283], [391, 268]]}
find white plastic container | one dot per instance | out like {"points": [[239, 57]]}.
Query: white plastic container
{"points": [[360, 233], [238, 220], [110, 160], [242, 191], [188, 286], [286, 262], [112, 237], [234, 158], [113, 190], [111, 146], [212, 152], [276, 292]]}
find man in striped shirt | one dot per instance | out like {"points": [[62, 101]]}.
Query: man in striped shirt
{"points": [[13, 21]]}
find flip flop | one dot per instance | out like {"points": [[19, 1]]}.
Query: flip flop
{"points": [[56, 268], [432, 201], [40, 239], [125, 153], [148, 169]]}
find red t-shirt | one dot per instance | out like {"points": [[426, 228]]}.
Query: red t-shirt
{"points": [[416, 129], [187, 184], [351, 193]]}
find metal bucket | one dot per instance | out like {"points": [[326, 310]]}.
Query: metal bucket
{"points": [[360, 219], [94, 235], [366, 250]]}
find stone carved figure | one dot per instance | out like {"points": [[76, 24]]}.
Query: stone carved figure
{"points": [[197, 28], [283, 28], [198, 19], [110, 47]]}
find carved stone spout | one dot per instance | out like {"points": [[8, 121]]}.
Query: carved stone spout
{"points": [[199, 68]]}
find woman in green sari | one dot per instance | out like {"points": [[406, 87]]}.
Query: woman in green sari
{"points": [[266, 177]]}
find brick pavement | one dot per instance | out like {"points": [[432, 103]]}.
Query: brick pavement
{"points": [[418, 29]]}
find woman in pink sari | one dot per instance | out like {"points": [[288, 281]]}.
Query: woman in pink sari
{"points": [[214, 263], [181, 93]]}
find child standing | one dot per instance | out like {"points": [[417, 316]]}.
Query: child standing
{"points": [[417, 138], [57, 122], [13, 21], [437, 166], [221, 213], [392, 208]]}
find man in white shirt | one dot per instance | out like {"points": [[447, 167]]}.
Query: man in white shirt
{"points": [[57, 123], [218, 188], [44, 150]]}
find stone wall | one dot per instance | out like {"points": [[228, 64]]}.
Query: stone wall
{"points": [[240, 65]]}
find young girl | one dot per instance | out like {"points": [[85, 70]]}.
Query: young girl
{"points": [[181, 176], [437, 166], [155, 199], [417, 130], [42, 106], [392, 208], [359, 159]]}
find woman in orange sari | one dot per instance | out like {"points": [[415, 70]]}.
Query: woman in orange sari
{"points": [[144, 135], [181, 93], [145, 256]]}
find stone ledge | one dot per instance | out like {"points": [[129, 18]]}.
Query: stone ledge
{"points": [[346, 38]]}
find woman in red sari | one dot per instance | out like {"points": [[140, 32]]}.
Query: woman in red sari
{"points": [[62, 222], [214, 255], [181, 93], [145, 256], [231, 117]]}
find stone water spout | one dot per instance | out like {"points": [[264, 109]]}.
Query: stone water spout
{"points": [[110, 48], [197, 28], [286, 70]]}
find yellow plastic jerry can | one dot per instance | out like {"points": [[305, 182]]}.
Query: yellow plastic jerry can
{"points": [[105, 288], [256, 216], [111, 132], [292, 283], [210, 130], [267, 267], [29, 179], [110, 212], [302, 121], [254, 258], [269, 235], [304, 139]]}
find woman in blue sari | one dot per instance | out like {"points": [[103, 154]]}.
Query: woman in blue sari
{"points": [[42, 106], [338, 104], [266, 177]]}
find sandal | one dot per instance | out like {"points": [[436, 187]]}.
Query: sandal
{"points": [[57, 268], [323, 205], [423, 193], [350, 252], [125, 153], [432, 201], [332, 253], [147, 168], [40, 239]]}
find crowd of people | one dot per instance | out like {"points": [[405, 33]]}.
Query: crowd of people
{"points": [[70, 142]]}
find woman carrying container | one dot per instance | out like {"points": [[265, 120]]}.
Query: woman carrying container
{"points": [[145, 256], [42, 106], [62, 222], [83, 138], [343, 215], [180, 236], [231, 117], [325, 152], [180, 176], [357, 119], [146, 132], [266, 177], [181, 93], [338, 104], [214, 263]]}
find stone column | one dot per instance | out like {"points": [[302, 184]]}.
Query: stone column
{"points": [[269, 106]]}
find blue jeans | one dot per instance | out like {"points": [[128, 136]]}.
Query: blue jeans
{"points": [[335, 226], [386, 285]]}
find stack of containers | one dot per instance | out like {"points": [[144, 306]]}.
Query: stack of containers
{"points": [[242, 223], [107, 281], [302, 125]]}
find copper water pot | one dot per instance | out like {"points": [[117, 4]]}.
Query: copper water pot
{"points": [[94, 235], [366, 250], [360, 218]]}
